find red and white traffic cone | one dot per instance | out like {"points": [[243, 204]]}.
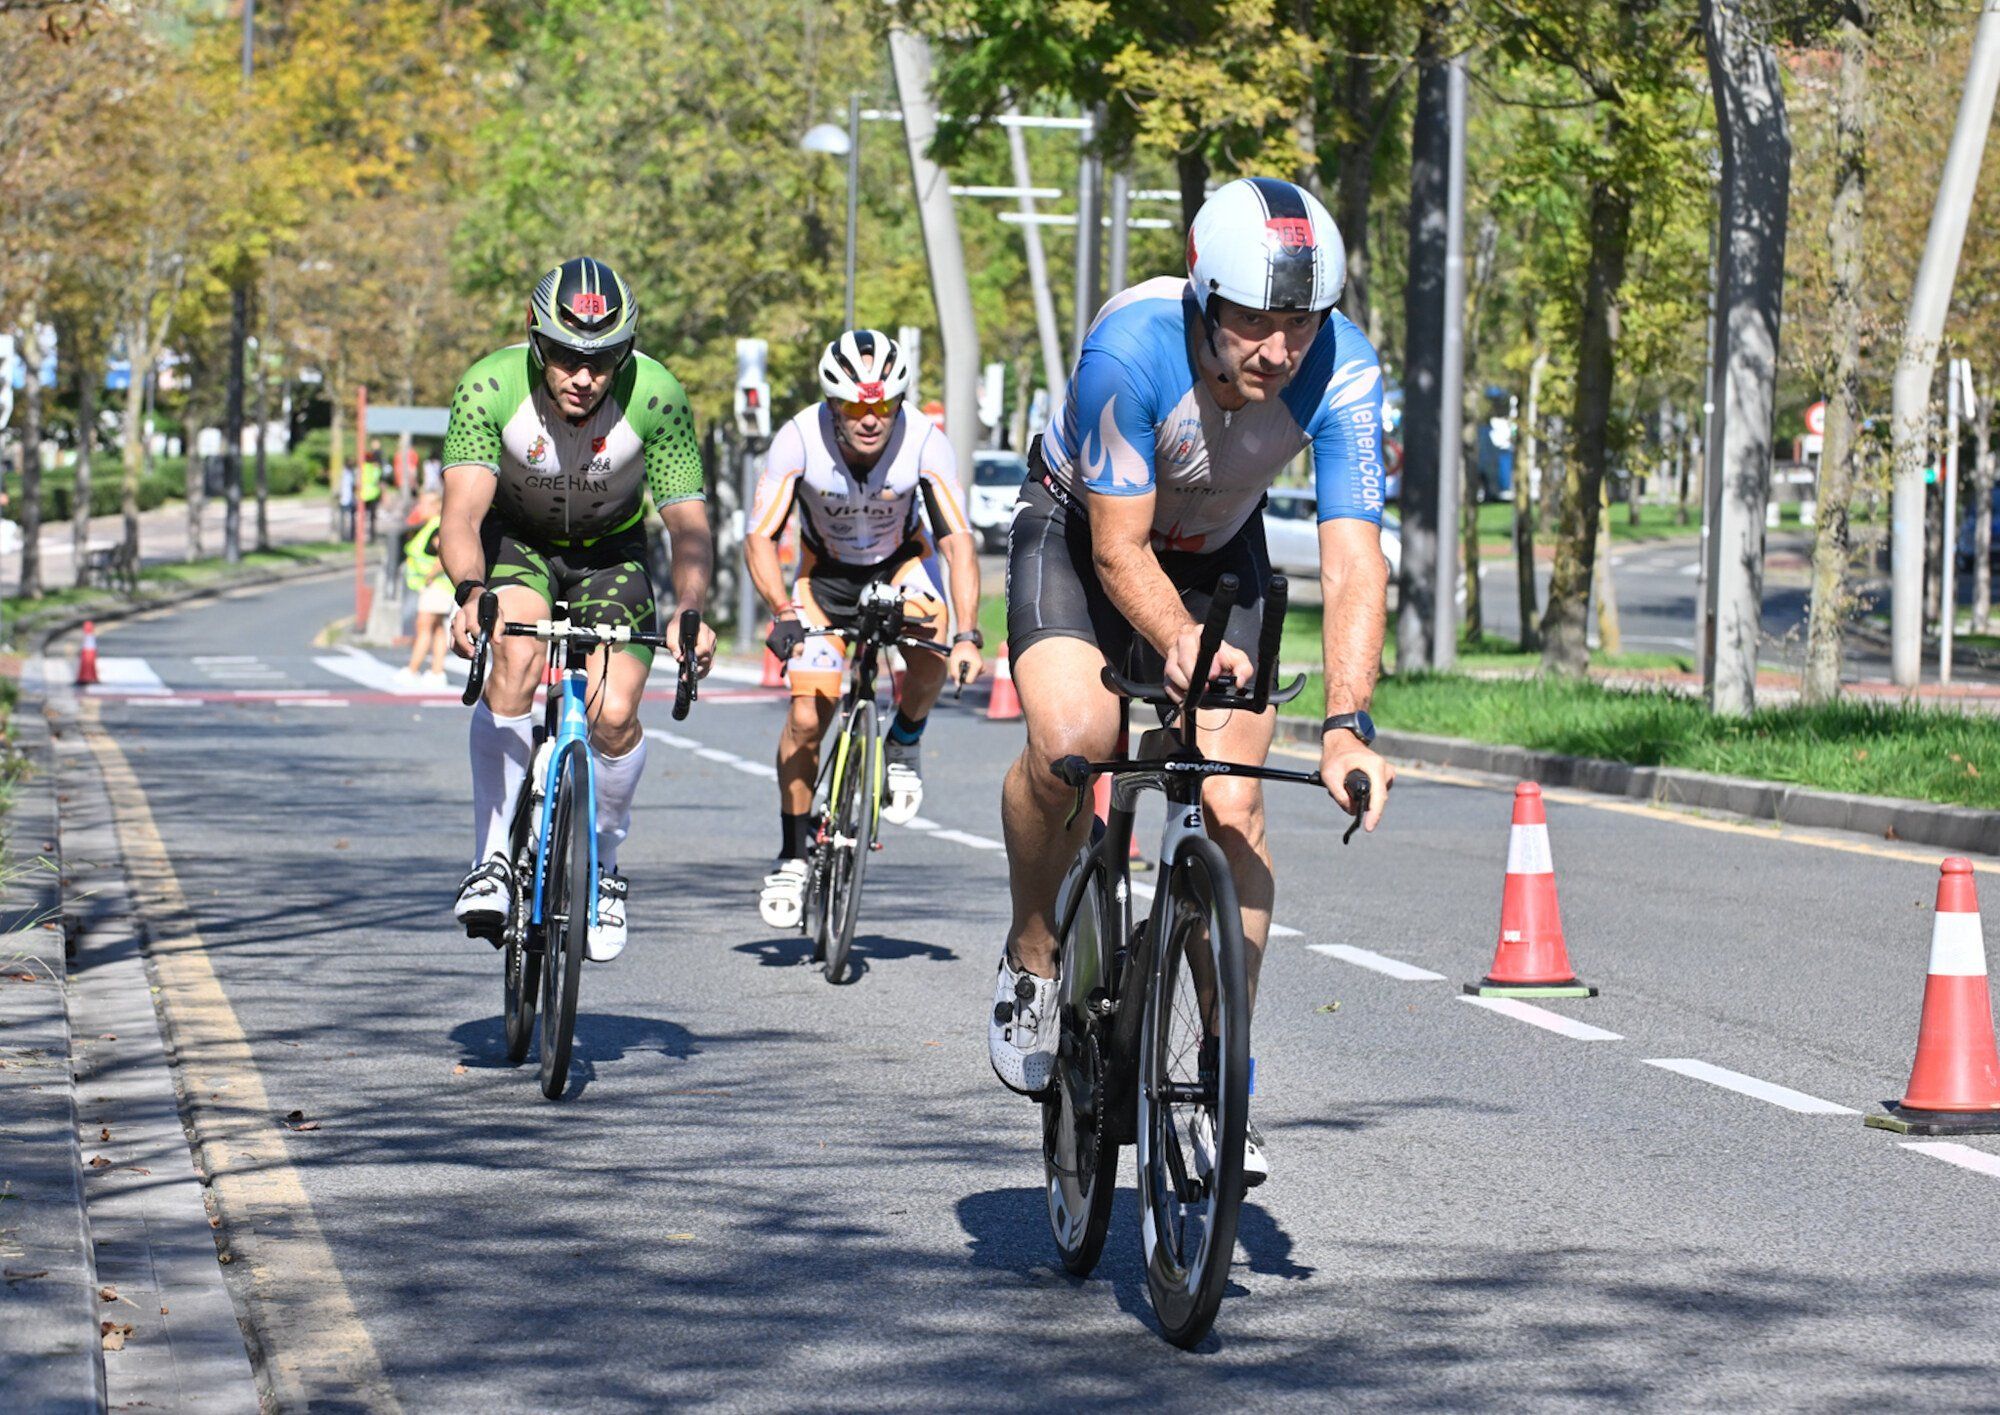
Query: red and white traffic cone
{"points": [[1955, 1082], [86, 658], [1531, 959], [774, 671], [1005, 703]]}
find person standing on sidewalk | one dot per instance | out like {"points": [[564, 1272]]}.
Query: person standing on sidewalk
{"points": [[423, 572]]}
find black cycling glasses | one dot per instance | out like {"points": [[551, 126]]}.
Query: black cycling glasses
{"points": [[601, 362]]}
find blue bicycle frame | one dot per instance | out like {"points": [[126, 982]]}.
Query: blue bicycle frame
{"points": [[571, 725]]}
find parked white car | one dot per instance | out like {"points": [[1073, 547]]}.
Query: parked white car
{"points": [[996, 483], [1291, 531]]}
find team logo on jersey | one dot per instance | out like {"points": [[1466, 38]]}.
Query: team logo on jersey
{"points": [[1294, 233], [538, 451], [597, 443], [1182, 439]]}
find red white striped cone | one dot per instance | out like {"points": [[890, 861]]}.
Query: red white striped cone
{"points": [[1955, 1082], [774, 671], [86, 658], [1531, 959], [1100, 805], [1005, 704]]}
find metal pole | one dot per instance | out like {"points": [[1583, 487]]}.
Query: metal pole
{"points": [[239, 334], [1948, 598], [1923, 328], [853, 202], [1054, 370], [1121, 212], [1089, 175], [951, 292], [746, 592], [1711, 481], [1451, 384], [361, 594]]}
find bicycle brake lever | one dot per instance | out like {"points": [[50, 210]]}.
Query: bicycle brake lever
{"points": [[1358, 791]]}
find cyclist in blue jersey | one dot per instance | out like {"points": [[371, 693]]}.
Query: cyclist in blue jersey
{"points": [[1187, 400]]}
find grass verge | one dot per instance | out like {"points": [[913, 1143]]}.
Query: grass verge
{"points": [[177, 576], [1866, 748]]}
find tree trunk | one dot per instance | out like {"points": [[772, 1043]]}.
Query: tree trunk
{"points": [[1564, 630], [1192, 169], [31, 459], [132, 438], [197, 481], [1356, 178], [1423, 359], [232, 424], [1982, 515], [86, 442], [1840, 453], [263, 466], [1755, 139], [1609, 638], [1472, 622], [1525, 472]]}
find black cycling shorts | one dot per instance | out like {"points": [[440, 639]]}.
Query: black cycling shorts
{"points": [[1053, 590], [605, 582]]}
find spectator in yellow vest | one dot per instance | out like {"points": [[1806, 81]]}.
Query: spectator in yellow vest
{"points": [[423, 572]]}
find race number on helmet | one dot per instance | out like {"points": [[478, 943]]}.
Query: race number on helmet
{"points": [[1267, 245], [582, 305], [863, 366]]}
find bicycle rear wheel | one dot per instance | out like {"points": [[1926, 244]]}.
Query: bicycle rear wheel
{"points": [[1194, 1093], [851, 835], [1079, 1156], [566, 900]]}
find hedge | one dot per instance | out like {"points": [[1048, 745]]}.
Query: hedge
{"points": [[288, 474]]}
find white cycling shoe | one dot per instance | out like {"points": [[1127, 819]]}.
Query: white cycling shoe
{"points": [[606, 939], [902, 793], [1256, 1163], [784, 895], [485, 897], [1023, 1030]]}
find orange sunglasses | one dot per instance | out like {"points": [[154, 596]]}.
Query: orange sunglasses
{"points": [[862, 410]]}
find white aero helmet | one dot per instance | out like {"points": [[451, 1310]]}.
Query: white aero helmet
{"points": [[863, 366], [1268, 245]]}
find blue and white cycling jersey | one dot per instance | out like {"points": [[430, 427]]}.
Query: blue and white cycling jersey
{"points": [[1136, 418]]}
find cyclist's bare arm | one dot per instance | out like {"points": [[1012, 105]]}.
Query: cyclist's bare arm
{"points": [[1121, 547], [961, 558], [468, 496], [693, 550], [1354, 583], [760, 557]]}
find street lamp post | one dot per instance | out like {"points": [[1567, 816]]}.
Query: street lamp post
{"points": [[829, 139]]}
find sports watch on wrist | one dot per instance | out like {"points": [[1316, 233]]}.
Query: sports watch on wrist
{"points": [[969, 636], [1359, 723], [466, 589]]}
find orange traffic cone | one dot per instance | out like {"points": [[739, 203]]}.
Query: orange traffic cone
{"points": [[1531, 959], [1955, 1083], [86, 658], [1005, 704], [774, 671]]}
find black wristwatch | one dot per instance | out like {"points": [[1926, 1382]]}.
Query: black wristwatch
{"points": [[1359, 723], [466, 589], [970, 636]]}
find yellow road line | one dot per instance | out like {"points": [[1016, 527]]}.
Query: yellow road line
{"points": [[1677, 815], [313, 1347]]}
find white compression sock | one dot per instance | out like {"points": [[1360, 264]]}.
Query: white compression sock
{"points": [[617, 784], [501, 750]]}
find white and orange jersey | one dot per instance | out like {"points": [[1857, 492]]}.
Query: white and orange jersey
{"points": [[859, 520]]}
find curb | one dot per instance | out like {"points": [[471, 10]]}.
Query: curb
{"points": [[50, 1352], [44, 630], [1961, 828]]}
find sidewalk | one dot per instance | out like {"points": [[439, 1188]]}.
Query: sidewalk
{"points": [[163, 535]]}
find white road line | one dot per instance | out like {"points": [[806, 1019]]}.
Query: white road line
{"points": [[369, 672], [1750, 1086], [977, 842], [129, 675], [1541, 1017], [672, 739], [318, 702], [921, 823], [1376, 962], [716, 754], [763, 769], [1146, 891], [1951, 1152]]}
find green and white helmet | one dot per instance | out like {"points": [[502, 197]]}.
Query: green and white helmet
{"points": [[582, 305]]}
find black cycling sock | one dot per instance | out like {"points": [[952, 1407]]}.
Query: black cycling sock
{"points": [[902, 729], [796, 833]]}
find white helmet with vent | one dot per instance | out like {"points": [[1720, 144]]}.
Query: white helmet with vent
{"points": [[1267, 245], [863, 366]]}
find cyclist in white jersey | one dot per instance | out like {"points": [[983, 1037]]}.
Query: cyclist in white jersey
{"points": [[878, 501]]}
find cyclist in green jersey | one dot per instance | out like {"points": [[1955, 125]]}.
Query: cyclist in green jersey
{"points": [[552, 449]]}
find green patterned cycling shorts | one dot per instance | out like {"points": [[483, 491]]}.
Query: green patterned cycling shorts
{"points": [[604, 582]]}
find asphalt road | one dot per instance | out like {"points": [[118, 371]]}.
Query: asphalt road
{"points": [[767, 1192]]}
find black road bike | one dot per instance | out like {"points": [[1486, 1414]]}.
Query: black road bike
{"points": [[846, 822], [552, 837], [1155, 1010]]}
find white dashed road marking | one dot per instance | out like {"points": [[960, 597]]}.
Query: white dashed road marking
{"points": [[1750, 1086], [1964, 1156], [1541, 1017], [1375, 962]]}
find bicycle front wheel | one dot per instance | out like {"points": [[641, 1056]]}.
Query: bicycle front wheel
{"points": [[1079, 1155], [851, 814], [521, 975], [1194, 1093], [566, 901]]}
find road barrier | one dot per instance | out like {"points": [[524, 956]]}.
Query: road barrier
{"points": [[1955, 1082], [1531, 959]]}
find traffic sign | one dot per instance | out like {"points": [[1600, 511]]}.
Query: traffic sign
{"points": [[1816, 419]]}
